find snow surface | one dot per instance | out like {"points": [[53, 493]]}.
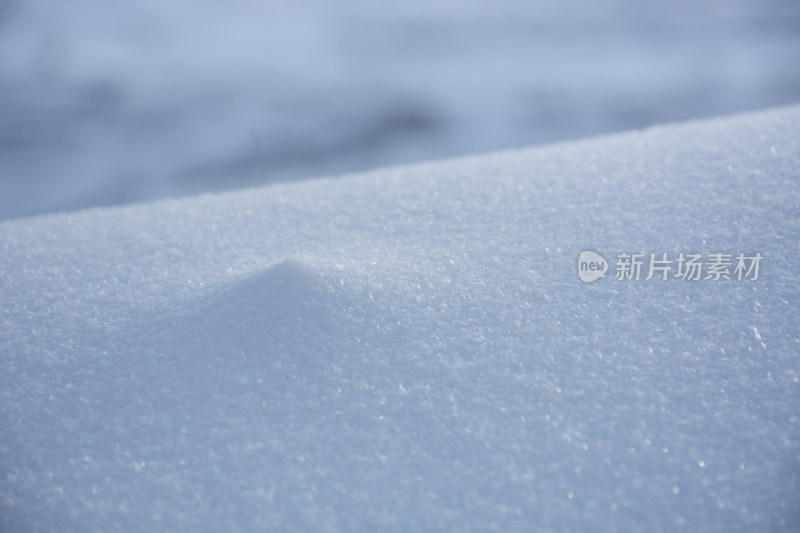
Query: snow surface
{"points": [[411, 348]]}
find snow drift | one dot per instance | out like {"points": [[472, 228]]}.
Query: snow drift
{"points": [[412, 349]]}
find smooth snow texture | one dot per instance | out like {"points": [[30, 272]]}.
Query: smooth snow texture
{"points": [[412, 349]]}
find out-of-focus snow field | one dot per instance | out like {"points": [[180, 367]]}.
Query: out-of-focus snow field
{"points": [[111, 102]]}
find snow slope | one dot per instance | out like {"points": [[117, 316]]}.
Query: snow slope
{"points": [[411, 349]]}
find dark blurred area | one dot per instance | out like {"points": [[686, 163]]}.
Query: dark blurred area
{"points": [[107, 103]]}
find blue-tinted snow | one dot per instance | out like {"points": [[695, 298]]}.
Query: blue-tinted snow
{"points": [[106, 103], [411, 349]]}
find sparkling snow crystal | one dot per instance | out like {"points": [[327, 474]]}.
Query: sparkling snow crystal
{"points": [[413, 348]]}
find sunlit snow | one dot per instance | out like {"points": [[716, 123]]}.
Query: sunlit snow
{"points": [[412, 348]]}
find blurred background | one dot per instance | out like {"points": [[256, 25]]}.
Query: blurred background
{"points": [[104, 103]]}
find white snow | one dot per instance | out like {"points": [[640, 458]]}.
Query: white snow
{"points": [[411, 349]]}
